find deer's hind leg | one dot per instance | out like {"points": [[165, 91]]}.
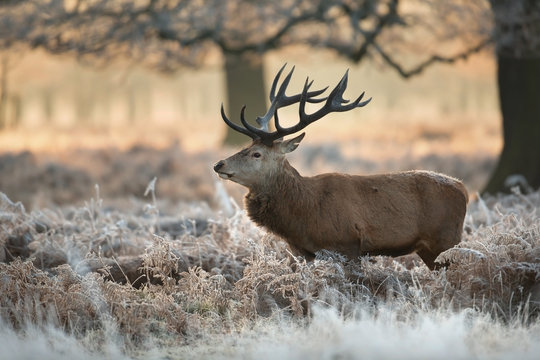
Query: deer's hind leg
{"points": [[428, 257], [428, 250]]}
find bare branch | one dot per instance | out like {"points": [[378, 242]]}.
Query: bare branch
{"points": [[417, 69], [166, 34]]}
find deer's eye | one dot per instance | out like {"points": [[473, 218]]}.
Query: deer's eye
{"points": [[256, 155]]}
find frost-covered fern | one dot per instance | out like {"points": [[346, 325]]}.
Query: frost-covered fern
{"points": [[103, 275]]}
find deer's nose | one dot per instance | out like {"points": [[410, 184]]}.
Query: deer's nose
{"points": [[218, 165]]}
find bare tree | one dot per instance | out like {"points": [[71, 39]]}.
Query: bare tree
{"points": [[517, 34], [408, 36]]}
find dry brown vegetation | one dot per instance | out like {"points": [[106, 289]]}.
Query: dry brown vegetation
{"points": [[144, 273]]}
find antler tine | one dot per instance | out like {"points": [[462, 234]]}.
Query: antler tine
{"points": [[310, 95], [276, 100], [275, 81], [259, 133], [337, 93], [234, 126], [281, 99], [279, 128], [284, 100], [360, 103], [302, 104], [289, 100], [334, 103], [342, 85], [304, 96]]}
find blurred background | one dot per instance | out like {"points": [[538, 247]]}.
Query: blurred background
{"points": [[118, 92]]}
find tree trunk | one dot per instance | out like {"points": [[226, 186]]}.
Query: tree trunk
{"points": [[245, 86], [517, 35], [519, 95]]}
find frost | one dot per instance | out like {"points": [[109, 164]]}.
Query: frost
{"points": [[79, 277]]}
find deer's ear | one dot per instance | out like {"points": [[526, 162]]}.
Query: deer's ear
{"points": [[287, 146]]}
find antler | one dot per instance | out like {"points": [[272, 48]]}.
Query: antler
{"points": [[334, 103]]}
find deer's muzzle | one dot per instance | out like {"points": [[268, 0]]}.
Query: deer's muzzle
{"points": [[218, 166]]}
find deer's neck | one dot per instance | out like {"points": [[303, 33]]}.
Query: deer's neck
{"points": [[277, 202]]}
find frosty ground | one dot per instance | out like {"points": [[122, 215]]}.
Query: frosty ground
{"points": [[103, 271]]}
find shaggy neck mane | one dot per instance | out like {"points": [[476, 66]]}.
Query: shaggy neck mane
{"points": [[279, 199]]}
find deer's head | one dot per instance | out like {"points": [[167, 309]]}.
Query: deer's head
{"points": [[266, 154], [258, 161]]}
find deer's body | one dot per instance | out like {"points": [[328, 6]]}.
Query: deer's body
{"points": [[391, 214]]}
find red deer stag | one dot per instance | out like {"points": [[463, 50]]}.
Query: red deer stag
{"points": [[390, 214]]}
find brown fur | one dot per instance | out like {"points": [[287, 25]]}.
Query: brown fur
{"points": [[392, 214]]}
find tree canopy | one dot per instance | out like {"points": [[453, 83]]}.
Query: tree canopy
{"points": [[167, 34]]}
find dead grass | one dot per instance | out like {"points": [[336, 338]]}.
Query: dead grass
{"points": [[94, 270]]}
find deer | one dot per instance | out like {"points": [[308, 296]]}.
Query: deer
{"points": [[391, 214]]}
